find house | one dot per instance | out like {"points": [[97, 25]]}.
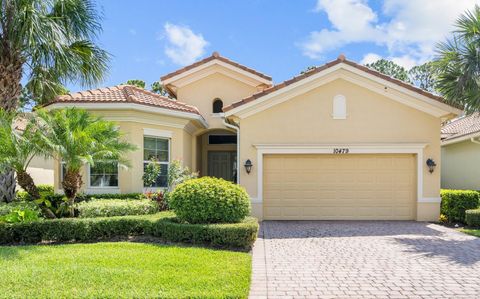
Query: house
{"points": [[340, 141], [461, 153]]}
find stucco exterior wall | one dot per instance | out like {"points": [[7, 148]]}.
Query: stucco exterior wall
{"points": [[41, 170], [371, 118], [201, 94], [130, 179], [461, 165]]}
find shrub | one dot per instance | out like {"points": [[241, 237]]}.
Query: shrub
{"points": [[7, 208], [472, 217], [209, 200], [45, 188], [455, 202], [162, 225], [116, 207], [20, 215], [158, 197], [87, 197]]}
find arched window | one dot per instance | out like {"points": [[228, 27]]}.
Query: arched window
{"points": [[339, 107], [217, 106]]}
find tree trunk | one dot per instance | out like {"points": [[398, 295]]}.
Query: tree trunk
{"points": [[71, 184], [26, 182], [10, 90], [7, 186]]}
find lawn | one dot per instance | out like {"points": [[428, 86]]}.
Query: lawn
{"points": [[473, 232], [122, 270]]}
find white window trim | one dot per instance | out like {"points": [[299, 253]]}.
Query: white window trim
{"points": [[90, 187], [159, 162], [157, 133], [390, 148], [339, 114]]}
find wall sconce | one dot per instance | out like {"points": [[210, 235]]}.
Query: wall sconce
{"points": [[431, 165], [248, 166]]}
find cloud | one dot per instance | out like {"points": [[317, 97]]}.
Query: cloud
{"points": [[132, 31], [409, 30], [370, 58], [184, 46]]}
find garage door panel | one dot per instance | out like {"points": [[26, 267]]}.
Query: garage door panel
{"points": [[339, 187]]}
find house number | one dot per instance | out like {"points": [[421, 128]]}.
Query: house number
{"points": [[340, 150]]}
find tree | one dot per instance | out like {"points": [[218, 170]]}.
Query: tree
{"points": [[50, 43], [423, 76], [19, 143], [307, 69], [458, 63], [78, 138], [390, 68], [136, 82], [157, 87]]}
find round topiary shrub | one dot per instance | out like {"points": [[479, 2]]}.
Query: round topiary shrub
{"points": [[209, 200]]}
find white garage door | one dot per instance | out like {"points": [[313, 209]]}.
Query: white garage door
{"points": [[336, 187]]}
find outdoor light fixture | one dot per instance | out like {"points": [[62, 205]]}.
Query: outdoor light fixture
{"points": [[248, 166], [431, 165]]}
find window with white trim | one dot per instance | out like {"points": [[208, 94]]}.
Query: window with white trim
{"points": [[103, 175], [339, 107], [157, 149], [63, 171]]}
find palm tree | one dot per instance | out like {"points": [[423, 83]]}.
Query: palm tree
{"points": [[458, 63], [50, 42], [19, 143], [78, 138]]}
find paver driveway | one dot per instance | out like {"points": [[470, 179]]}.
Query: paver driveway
{"points": [[364, 259]]}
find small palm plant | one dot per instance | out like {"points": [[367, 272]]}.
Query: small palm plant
{"points": [[19, 143], [78, 138]]}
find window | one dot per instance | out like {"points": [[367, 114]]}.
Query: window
{"points": [[339, 107], [222, 139], [158, 149], [217, 106], [104, 174]]}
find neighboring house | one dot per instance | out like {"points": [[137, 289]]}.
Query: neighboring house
{"points": [[461, 153], [339, 142]]}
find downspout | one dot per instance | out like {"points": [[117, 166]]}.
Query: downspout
{"points": [[237, 129], [474, 141]]}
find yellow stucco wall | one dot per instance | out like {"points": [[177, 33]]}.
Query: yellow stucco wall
{"points": [[371, 118], [130, 179], [41, 170], [461, 165], [201, 94]]}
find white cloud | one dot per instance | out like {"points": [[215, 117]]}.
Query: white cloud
{"points": [[370, 58], [184, 46], [132, 31], [409, 35], [406, 61]]}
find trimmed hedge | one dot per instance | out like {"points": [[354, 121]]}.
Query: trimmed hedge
{"points": [[163, 225], [456, 202], [116, 207], [472, 218], [110, 196], [209, 200]]}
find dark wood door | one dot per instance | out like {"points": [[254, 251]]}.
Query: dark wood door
{"points": [[222, 165]]}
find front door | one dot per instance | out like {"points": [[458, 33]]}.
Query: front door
{"points": [[222, 165]]}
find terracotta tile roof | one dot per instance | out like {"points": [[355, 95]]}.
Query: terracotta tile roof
{"points": [[125, 94], [340, 59], [214, 56], [461, 126]]}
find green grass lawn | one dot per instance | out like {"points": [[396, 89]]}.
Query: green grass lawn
{"points": [[473, 232], [122, 270]]}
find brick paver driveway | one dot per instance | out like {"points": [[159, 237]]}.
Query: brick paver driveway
{"points": [[369, 259]]}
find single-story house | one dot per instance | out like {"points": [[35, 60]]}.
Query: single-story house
{"points": [[340, 141], [461, 153]]}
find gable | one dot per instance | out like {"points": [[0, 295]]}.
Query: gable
{"points": [[212, 65], [351, 72], [370, 117]]}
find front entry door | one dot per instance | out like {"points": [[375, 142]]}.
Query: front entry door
{"points": [[222, 165]]}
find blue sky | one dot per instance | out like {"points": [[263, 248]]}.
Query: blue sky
{"points": [[149, 38]]}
